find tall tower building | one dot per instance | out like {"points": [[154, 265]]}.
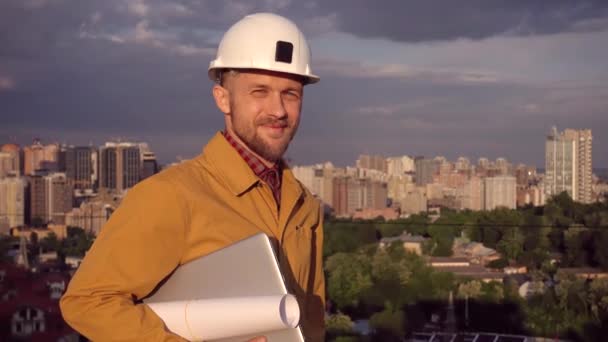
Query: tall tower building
{"points": [[10, 160], [463, 164], [398, 166], [12, 201], [425, 170], [503, 166], [38, 156], [568, 164], [81, 166], [51, 197], [120, 165], [373, 162], [499, 191], [149, 164]]}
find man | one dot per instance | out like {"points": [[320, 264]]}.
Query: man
{"points": [[237, 187]]}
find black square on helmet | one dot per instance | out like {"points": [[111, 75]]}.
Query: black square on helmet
{"points": [[284, 52]]}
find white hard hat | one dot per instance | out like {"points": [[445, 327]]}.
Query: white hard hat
{"points": [[264, 41]]}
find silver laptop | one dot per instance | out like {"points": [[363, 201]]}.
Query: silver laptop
{"points": [[246, 268]]}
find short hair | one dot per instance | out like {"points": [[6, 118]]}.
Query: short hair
{"points": [[225, 73]]}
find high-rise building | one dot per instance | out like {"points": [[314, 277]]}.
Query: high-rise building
{"points": [[40, 157], [149, 165], [61, 158], [323, 183], [499, 191], [425, 170], [10, 160], [525, 175], [463, 164], [568, 164], [340, 194], [533, 195], [120, 165], [50, 196], [81, 167], [398, 186], [6, 164], [12, 201], [373, 162], [414, 201], [398, 166], [483, 163], [472, 194], [318, 179], [503, 167], [351, 194], [306, 175]]}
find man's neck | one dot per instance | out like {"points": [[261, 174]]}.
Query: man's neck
{"points": [[234, 136]]}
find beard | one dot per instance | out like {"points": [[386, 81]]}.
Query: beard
{"points": [[249, 135]]}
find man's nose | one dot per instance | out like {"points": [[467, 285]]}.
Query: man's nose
{"points": [[277, 106]]}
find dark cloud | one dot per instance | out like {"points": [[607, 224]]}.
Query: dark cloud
{"points": [[81, 71], [435, 20]]}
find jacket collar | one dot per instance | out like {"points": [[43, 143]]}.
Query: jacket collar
{"points": [[239, 177], [231, 167]]}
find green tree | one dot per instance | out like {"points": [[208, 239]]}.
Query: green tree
{"points": [[576, 240], [492, 292], [77, 243], [511, 244], [417, 224], [50, 243], [388, 325], [383, 267], [5, 245], [349, 277], [600, 255], [442, 237], [598, 298], [470, 289], [346, 237], [33, 246], [536, 232], [338, 324], [498, 263], [390, 229], [571, 293]]}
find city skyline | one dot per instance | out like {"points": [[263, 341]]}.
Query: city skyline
{"points": [[487, 80], [539, 164]]}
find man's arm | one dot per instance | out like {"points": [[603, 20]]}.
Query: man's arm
{"points": [[316, 301], [140, 245]]}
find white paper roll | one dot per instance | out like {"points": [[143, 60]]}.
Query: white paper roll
{"points": [[210, 319]]}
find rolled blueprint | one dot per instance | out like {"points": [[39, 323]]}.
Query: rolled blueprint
{"points": [[210, 319]]}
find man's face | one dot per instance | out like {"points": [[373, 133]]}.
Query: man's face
{"points": [[263, 110]]}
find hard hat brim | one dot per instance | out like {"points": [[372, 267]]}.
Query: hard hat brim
{"points": [[213, 73]]}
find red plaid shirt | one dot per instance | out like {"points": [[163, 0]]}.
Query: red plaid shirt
{"points": [[270, 175]]}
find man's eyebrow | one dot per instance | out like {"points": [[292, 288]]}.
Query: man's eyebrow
{"points": [[298, 89], [258, 85]]}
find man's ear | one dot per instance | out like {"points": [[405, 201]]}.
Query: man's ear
{"points": [[222, 98]]}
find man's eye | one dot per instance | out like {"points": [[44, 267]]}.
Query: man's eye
{"points": [[259, 92], [292, 95]]}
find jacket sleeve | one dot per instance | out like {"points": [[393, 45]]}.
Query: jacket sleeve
{"points": [[316, 302], [139, 246]]}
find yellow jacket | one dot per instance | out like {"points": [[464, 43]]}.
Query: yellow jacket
{"points": [[181, 214]]}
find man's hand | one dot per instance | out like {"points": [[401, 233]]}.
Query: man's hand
{"points": [[258, 339]]}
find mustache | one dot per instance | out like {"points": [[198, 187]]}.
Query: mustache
{"points": [[270, 121]]}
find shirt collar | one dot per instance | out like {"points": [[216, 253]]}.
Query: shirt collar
{"points": [[256, 165]]}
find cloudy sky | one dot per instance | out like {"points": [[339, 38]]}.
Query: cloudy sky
{"points": [[474, 78]]}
